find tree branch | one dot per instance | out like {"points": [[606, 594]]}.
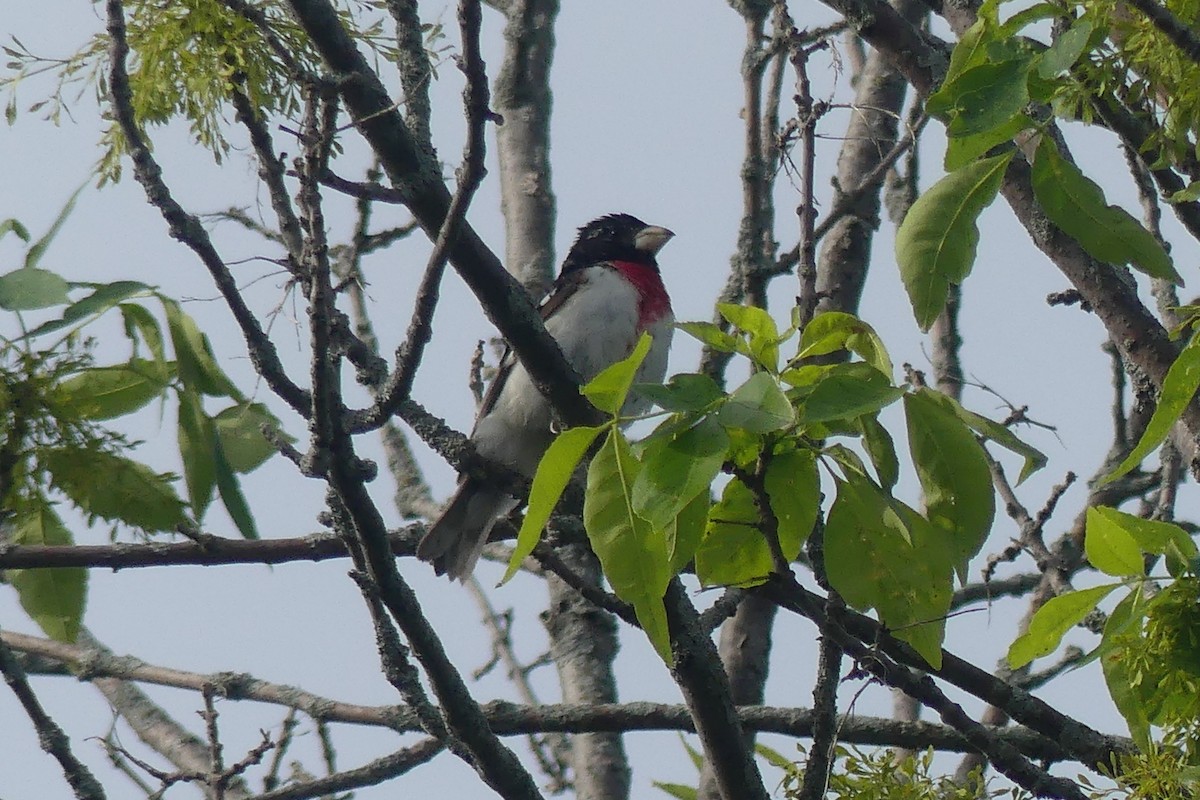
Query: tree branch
{"points": [[50, 735], [699, 673], [90, 663], [418, 177], [184, 226], [1084, 743]]}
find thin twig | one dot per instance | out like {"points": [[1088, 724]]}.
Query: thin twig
{"points": [[271, 170]]}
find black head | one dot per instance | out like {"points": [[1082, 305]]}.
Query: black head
{"points": [[616, 237]]}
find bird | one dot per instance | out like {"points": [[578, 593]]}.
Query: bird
{"points": [[608, 292]]}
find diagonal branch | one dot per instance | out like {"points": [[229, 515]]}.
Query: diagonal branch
{"points": [[1137, 334], [701, 676], [50, 735], [186, 227], [416, 174], [1085, 744]]}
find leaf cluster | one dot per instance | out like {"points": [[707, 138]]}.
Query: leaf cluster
{"points": [[1150, 649], [1001, 86], [866, 775], [1148, 73], [55, 401], [188, 58], [1165, 770], [880, 775], [729, 482]]}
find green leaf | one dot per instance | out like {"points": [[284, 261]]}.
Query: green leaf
{"points": [[608, 390], [104, 297], [1076, 204], [712, 336], [1028, 16], [983, 97], [684, 392], [198, 367], [881, 449], [1066, 50], [27, 288], [962, 150], [1188, 194], [108, 392], [1052, 621], [677, 469], [759, 325], [141, 323], [35, 252], [240, 432], [11, 225], [632, 553], [197, 450], [794, 489], [694, 755], [734, 552], [1179, 386], [847, 391], [971, 50], [553, 474], [758, 406], [678, 790], [846, 458], [832, 331], [994, 431], [774, 757], [231, 495], [1146, 535], [686, 533], [935, 245], [1123, 686], [1109, 546], [114, 488], [881, 554], [53, 597], [954, 475]]}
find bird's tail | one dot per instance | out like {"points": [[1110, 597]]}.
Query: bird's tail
{"points": [[456, 539]]}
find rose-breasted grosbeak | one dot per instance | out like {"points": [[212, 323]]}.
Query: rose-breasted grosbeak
{"points": [[608, 293]]}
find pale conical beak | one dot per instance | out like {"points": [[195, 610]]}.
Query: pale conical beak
{"points": [[651, 239]]}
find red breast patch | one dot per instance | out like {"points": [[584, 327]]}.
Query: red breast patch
{"points": [[654, 303]]}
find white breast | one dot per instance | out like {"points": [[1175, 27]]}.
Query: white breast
{"points": [[596, 327]]}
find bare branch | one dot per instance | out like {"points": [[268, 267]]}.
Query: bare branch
{"points": [[418, 176], [698, 671], [1087, 745], [50, 735], [416, 72], [552, 751], [186, 227], [508, 719], [271, 170], [372, 774], [825, 732]]}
